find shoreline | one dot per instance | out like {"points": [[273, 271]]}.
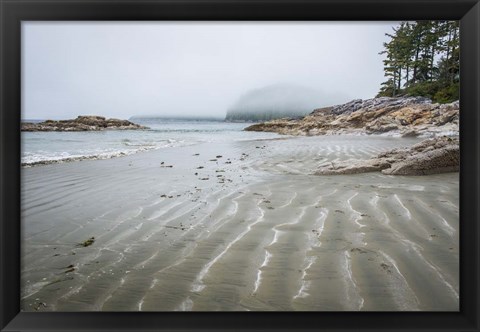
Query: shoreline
{"points": [[281, 137]]}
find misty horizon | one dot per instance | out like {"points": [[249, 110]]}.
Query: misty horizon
{"points": [[192, 70]]}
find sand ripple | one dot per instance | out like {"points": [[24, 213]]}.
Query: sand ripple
{"points": [[252, 230]]}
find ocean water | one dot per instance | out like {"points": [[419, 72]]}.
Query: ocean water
{"points": [[50, 147]]}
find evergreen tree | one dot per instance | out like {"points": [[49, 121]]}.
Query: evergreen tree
{"points": [[422, 58]]}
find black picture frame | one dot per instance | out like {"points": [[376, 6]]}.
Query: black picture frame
{"points": [[13, 12]]}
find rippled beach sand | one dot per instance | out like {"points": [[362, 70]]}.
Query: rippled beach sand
{"points": [[239, 226]]}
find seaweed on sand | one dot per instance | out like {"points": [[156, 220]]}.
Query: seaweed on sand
{"points": [[87, 243]]}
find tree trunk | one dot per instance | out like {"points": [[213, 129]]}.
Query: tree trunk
{"points": [[399, 84], [417, 51], [453, 53], [406, 76], [447, 59], [431, 63], [394, 83]]}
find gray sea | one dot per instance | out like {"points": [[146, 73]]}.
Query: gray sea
{"points": [[46, 147]]}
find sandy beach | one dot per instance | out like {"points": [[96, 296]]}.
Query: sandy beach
{"points": [[237, 226]]}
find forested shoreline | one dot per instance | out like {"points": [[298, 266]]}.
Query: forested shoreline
{"points": [[423, 59]]}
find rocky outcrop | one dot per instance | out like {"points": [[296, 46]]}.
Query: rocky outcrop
{"points": [[82, 123], [406, 116], [437, 155]]}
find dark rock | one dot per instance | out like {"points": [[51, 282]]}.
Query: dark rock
{"points": [[82, 123]]}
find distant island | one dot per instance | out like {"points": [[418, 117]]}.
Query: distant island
{"points": [[166, 118], [275, 102], [81, 123]]}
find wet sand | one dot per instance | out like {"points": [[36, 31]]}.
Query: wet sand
{"points": [[239, 226]]}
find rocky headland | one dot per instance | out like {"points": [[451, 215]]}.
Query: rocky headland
{"points": [[406, 116], [401, 116], [82, 123]]}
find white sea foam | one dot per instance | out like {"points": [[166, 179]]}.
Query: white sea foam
{"points": [[32, 159]]}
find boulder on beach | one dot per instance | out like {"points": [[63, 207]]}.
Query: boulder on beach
{"points": [[432, 156], [82, 123]]}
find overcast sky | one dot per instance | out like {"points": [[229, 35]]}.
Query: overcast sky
{"points": [[190, 68]]}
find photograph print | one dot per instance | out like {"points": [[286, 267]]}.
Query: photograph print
{"points": [[240, 166]]}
